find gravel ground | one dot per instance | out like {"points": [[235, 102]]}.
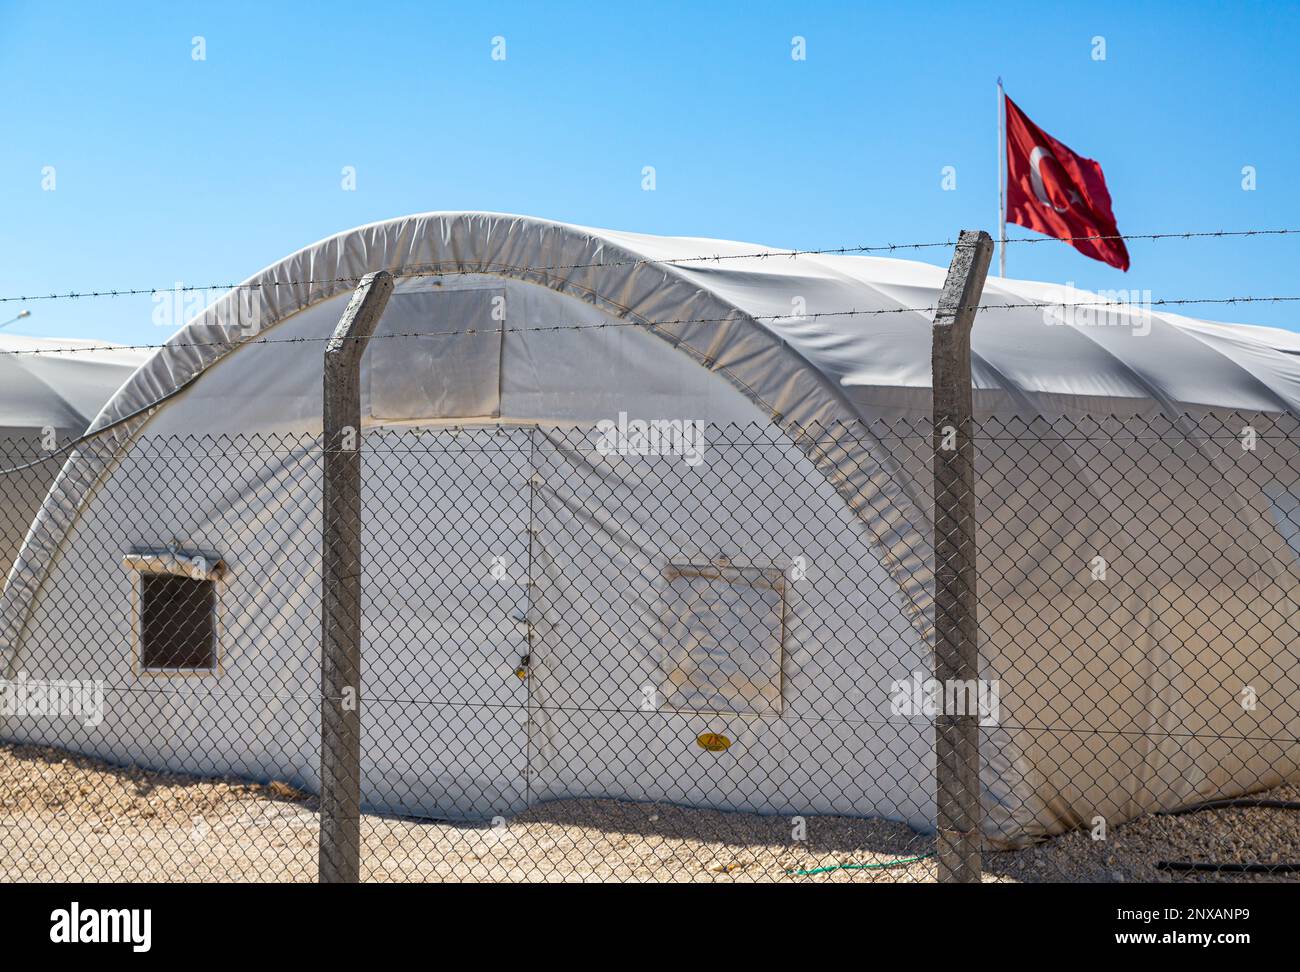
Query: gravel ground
{"points": [[68, 817]]}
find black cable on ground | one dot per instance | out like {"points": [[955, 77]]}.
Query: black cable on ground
{"points": [[1227, 868], [1233, 802]]}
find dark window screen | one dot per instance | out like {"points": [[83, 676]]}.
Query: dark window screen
{"points": [[177, 625]]}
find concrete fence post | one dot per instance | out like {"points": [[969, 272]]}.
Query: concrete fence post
{"points": [[956, 642], [340, 675]]}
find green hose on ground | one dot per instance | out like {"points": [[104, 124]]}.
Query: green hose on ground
{"points": [[861, 867]]}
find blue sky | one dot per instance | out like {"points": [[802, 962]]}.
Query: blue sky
{"points": [[170, 169]]}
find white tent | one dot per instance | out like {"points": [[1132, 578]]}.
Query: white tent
{"points": [[47, 397], [720, 340]]}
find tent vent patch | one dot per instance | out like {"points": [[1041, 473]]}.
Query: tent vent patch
{"points": [[724, 630], [450, 364]]}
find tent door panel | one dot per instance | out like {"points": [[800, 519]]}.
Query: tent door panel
{"points": [[606, 717], [445, 680]]}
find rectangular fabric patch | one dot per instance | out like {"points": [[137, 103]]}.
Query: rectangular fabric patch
{"points": [[724, 632], [443, 372]]}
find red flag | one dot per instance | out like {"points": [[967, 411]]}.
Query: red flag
{"points": [[1054, 191]]}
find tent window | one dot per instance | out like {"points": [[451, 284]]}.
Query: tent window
{"points": [[177, 623], [176, 609], [724, 632]]}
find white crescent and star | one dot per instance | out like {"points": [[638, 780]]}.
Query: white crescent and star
{"points": [[1036, 177]]}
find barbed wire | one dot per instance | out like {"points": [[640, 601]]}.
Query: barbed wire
{"points": [[430, 270], [374, 442], [736, 318], [768, 254], [314, 697], [1188, 235]]}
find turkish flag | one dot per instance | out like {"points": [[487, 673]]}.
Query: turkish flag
{"points": [[1055, 191]]}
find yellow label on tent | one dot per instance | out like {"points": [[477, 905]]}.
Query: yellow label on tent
{"points": [[714, 742]]}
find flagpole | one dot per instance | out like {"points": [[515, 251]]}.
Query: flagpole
{"points": [[1002, 185]]}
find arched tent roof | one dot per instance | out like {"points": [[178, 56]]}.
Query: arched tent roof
{"points": [[734, 317], [59, 382], [1031, 361]]}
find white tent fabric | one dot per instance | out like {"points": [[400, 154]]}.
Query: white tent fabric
{"points": [[719, 340], [41, 387], [45, 387]]}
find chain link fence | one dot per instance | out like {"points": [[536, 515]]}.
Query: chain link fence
{"points": [[664, 650]]}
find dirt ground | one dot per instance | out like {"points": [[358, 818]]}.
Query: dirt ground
{"points": [[68, 817]]}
